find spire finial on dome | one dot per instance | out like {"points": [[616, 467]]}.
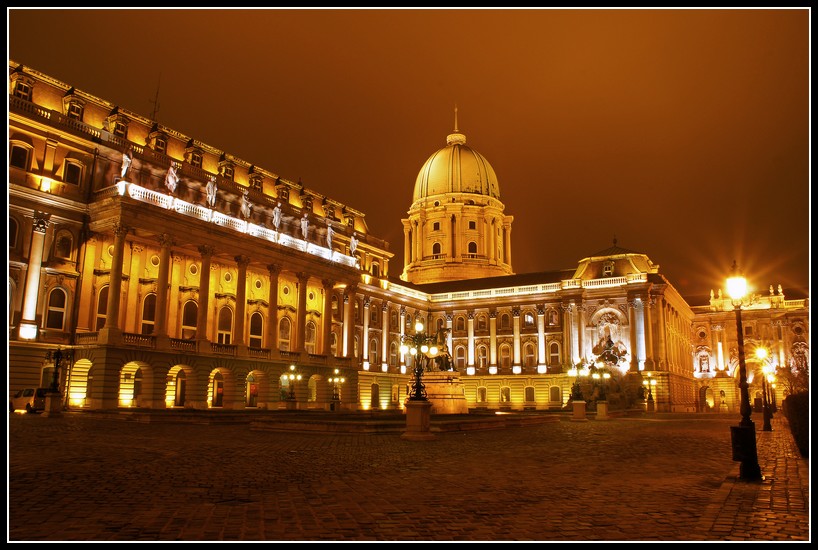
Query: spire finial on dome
{"points": [[614, 240], [455, 138]]}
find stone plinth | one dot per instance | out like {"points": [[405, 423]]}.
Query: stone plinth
{"points": [[53, 404], [445, 392], [578, 411], [602, 410], [418, 421]]}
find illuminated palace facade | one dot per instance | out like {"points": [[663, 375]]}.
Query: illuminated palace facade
{"points": [[171, 274]]}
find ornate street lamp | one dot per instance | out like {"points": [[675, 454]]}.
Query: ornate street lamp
{"points": [[293, 376], [423, 348], [336, 382], [766, 373], [743, 435], [57, 357], [650, 383]]}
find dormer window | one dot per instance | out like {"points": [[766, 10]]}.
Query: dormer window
{"points": [[22, 87], [193, 155], [607, 269], [158, 140], [160, 144], [256, 182], [73, 105], [117, 123], [75, 110], [228, 171], [306, 200]]}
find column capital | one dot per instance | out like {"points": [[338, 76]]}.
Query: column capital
{"points": [[41, 221], [327, 284], [120, 229], [165, 240], [274, 269], [242, 261], [206, 250]]}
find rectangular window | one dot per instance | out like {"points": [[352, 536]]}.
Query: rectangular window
{"points": [[160, 144], [75, 111], [196, 159], [22, 90], [19, 157], [73, 173], [120, 129]]}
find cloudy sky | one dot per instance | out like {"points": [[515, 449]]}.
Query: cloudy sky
{"points": [[684, 134]]}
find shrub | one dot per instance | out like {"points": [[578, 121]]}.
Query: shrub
{"points": [[796, 410]]}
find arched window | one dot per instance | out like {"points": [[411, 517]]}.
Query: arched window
{"points": [[190, 312], [505, 356], [436, 249], [375, 269], [553, 354], [256, 330], [460, 323], [355, 347], [393, 354], [393, 320], [440, 324], [335, 306], [472, 248], [529, 394], [309, 337], [102, 308], [373, 351], [505, 321], [528, 320], [529, 355], [555, 394], [63, 245], [55, 318], [333, 346], [460, 357], [14, 228], [482, 357], [357, 312], [148, 313], [481, 322], [284, 334], [224, 328], [481, 394]]}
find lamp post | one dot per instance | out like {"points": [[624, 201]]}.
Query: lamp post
{"points": [[766, 371], [743, 435], [336, 382], [293, 376], [422, 348], [650, 383], [57, 357]]}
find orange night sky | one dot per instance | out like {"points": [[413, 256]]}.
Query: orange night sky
{"points": [[683, 133]]}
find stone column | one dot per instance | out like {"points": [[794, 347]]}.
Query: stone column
{"points": [[160, 325], [272, 300], [301, 315], [470, 328], [365, 343], [649, 348], [28, 322], [541, 338], [515, 313], [326, 337], [493, 338], [634, 364], [111, 332], [241, 300], [385, 336], [206, 252]]}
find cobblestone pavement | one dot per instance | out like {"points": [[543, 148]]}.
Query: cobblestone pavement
{"points": [[79, 477]]}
